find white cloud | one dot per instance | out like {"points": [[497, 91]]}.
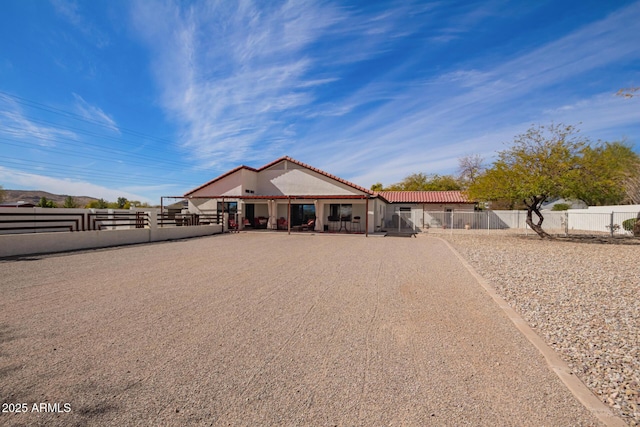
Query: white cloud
{"points": [[12, 178], [240, 79], [236, 75], [15, 125], [426, 127], [603, 116]]}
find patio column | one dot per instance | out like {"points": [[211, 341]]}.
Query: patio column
{"points": [[270, 208], [366, 221], [225, 225], [275, 213], [240, 214], [319, 206], [289, 217]]}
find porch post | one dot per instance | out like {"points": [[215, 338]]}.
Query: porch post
{"points": [[366, 219], [318, 223], [289, 216], [223, 214], [240, 214], [270, 207], [161, 212]]}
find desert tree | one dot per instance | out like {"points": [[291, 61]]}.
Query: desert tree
{"points": [[631, 185], [98, 204], [607, 173], [122, 202], [469, 168], [70, 202], [45, 203], [377, 187], [542, 163], [425, 182]]}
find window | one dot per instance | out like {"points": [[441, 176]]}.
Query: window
{"points": [[301, 214], [340, 212], [229, 207]]}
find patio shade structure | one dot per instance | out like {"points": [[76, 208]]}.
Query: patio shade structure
{"points": [[271, 202]]}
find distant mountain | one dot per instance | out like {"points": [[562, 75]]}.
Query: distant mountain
{"points": [[35, 196]]}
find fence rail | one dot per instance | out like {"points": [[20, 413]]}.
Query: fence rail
{"points": [[39, 220], [558, 223], [112, 221], [19, 221], [184, 220]]}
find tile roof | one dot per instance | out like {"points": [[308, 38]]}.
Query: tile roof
{"points": [[281, 159], [424, 196]]}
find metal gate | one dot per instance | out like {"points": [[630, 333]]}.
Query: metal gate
{"points": [[402, 222]]}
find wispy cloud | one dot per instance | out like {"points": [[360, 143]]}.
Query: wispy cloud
{"points": [[435, 149], [246, 82], [237, 76], [95, 114], [68, 9], [427, 127], [15, 125]]}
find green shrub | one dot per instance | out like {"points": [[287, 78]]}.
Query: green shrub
{"points": [[629, 223], [561, 207]]}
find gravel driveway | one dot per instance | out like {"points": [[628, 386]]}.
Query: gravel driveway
{"points": [[581, 295], [267, 329]]}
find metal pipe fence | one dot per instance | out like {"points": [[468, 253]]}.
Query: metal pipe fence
{"points": [[565, 223], [32, 220], [171, 219]]}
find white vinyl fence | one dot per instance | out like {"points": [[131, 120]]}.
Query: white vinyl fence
{"points": [[559, 223]]}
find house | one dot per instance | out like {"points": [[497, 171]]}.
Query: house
{"points": [[288, 194]]}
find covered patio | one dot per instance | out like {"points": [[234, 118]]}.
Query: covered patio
{"points": [[317, 213]]}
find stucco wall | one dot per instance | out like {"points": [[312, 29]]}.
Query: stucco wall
{"points": [[299, 182], [35, 243], [230, 185]]}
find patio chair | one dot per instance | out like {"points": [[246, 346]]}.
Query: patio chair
{"points": [[260, 222], [283, 224], [310, 225], [233, 225], [355, 224]]}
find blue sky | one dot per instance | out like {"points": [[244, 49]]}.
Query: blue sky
{"points": [[143, 99]]}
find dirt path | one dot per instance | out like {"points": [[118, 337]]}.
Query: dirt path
{"points": [[264, 329]]}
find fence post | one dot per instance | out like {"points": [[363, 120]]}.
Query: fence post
{"points": [[488, 222], [152, 216], [566, 223], [451, 232], [611, 224]]}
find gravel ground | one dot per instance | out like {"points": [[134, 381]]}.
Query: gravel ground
{"points": [[583, 298], [267, 329]]}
